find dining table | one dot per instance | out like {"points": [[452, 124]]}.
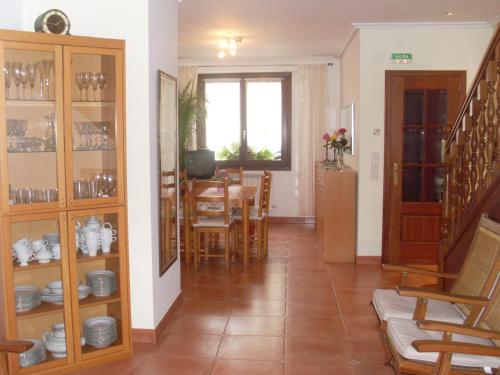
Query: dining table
{"points": [[240, 196]]}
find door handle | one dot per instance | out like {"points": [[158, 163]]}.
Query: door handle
{"points": [[395, 174]]}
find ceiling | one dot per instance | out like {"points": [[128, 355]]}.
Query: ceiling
{"points": [[306, 28]]}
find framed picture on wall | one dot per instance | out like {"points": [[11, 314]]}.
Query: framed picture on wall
{"points": [[347, 121]]}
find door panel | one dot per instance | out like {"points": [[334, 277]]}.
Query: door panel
{"points": [[419, 106]]}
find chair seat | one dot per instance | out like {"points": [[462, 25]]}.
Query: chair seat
{"points": [[389, 304], [207, 222], [403, 332], [253, 214]]}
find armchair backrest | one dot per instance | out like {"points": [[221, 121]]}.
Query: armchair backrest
{"points": [[481, 267]]}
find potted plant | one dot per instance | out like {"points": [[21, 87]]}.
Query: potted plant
{"points": [[191, 107]]}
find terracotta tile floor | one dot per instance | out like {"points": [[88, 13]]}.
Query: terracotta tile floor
{"points": [[291, 314]]}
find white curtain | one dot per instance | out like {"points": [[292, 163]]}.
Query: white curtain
{"points": [[311, 98], [186, 75]]}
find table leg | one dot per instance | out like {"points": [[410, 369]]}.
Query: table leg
{"points": [[246, 228]]}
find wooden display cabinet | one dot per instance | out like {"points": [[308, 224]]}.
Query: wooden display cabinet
{"points": [[62, 161]]}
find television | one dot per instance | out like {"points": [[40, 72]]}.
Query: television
{"points": [[200, 164]]}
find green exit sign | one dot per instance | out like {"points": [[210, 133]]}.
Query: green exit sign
{"points": [[401, 57]]}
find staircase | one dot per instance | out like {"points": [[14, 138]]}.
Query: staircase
{"points": [[472, 155]]}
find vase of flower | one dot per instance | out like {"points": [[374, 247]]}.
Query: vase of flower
{"points": [[340, 160], [339, 143], [326, 138]]}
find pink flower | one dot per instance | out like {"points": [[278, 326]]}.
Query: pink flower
{"points": [[326, 137], [342, 131]]}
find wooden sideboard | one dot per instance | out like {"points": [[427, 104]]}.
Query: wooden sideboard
{"points": [[336, 213]]}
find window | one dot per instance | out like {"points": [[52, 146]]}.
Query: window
{"points": [[248, 119]]}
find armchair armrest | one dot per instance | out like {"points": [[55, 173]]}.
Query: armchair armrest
{"points": [[419, 271], [455, 347], [14, 346], [460, 329], [442, 296]]}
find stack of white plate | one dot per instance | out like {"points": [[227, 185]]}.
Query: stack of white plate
{"points": [[54, 293], [34, 355], [27, 297], [100, 331], [83, 291], [102, 282]]}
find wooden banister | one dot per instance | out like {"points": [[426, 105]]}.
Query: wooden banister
{"points": [[472, 156]]}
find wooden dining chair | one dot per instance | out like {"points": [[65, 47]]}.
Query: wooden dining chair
{"points": [[11, 346], [235, 174], [211, 216], [259, 215]]}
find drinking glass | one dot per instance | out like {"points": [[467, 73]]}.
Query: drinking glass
{"points": [[16, 69], [79, 79], [86, 84], [94, 82], [32, 77], [103, 80], [24, 78], [46, 76], [41, 73], [7, 72]]}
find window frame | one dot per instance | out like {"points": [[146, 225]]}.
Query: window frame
{"points": [[285, 163]]}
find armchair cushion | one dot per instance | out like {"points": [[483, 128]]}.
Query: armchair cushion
{"points": [[388, 304], [402, 333]]}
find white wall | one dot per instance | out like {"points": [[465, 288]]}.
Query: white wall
{"points": [[349, 91], [433, 48], [146, 49], [11, 14]]}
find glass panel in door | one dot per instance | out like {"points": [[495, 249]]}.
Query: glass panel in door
{"points": [[41, 289], [94, 126], [32, 128]]}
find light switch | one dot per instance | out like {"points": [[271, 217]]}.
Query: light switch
{"points": [[375, 165]]}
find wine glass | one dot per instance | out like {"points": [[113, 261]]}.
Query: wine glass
{"points": [[16, 69], [24, 78], [32, 77], [41, 73], [103, 80], [7, 72], [94, 82], [46, 76], [79, 79], [86, 84]]}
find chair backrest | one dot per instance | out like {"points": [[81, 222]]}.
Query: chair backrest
{"points": [[210, 199], [481, 267], [491, 316], [265, 193], [235, 174]]}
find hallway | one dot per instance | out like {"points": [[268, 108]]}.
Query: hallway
{"points": [[290, 314]]}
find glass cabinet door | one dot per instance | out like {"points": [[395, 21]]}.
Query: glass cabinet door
{"points": [[94, 118], [31, 126], [39, 289], [98, 255]]}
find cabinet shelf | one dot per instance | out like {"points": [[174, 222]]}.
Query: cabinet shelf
{"points": [[85, 258], [49, 363], [92, 300], [29, 103], [94, 150], [93, 104], [44, 309], [35, 266], [87, 349], [31, 152]]}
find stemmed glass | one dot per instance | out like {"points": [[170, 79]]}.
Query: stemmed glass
{"points": [[47, 64], [32, 77], [7, 72], [79, 79], [94, 82], [24, 78], [16, 69], [86, 83], [103, 80], [41, 72]]}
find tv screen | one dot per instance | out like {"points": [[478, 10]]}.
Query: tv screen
{"points": [[200, 164]]}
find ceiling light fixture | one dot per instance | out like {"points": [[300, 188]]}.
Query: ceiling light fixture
{"points": [[228, 46], [448, 14]]}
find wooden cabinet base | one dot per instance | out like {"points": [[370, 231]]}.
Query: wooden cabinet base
{"points": [[336, 213]]}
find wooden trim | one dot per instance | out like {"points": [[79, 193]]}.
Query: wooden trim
{"points": [[32, 37], [152, 336], [368, 260], [292, 220]]}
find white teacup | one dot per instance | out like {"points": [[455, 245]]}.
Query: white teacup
{"points": [[92, 242], [44, 256], [24, 256], [56, 250], [108, 236], [39, 245]]}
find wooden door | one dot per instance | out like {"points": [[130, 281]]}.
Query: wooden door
{"points": [[420, 106]]}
